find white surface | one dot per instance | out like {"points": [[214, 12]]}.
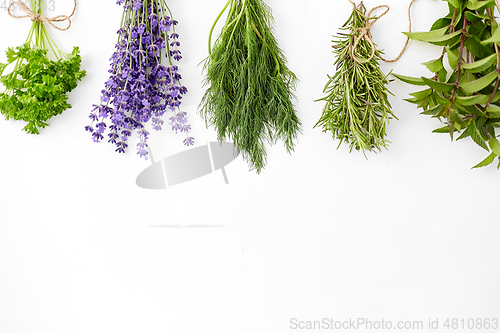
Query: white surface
{"points": [[410, 234]]}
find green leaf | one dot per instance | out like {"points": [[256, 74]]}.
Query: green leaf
{"points": [[444, 129], [2, 67], [434, 65], [477, 5], [11, 55], [479, 84], [487, 161], [420, 95], [493, 112], [439, 86], [477, 139], [481, 65], [495, 146], [474, 17], [465, 134], [441, 23], [472, 100], [427, 36], [455, 3], [495, 37], [446, 39], [452, 57], [442, 75], [432, 111], [410, 80], [413, 100], [475, 110], [474, 45], [478, 133]]}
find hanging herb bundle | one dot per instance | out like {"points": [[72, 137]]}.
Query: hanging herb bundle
{"points": [[141, 89], [249, 97], [36, 89], [467, 97], [357, 108]]}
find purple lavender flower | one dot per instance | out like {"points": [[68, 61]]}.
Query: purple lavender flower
{"points": [[140, 89]]}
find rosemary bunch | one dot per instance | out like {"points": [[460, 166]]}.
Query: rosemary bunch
{"points": [[467, 98], [250, 87], [357, 109]]}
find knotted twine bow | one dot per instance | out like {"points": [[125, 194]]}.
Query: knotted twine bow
{"points": [[39, 18], [365, 33]]}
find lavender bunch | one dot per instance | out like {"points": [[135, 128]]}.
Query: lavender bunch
{"points": [[141, 89]]}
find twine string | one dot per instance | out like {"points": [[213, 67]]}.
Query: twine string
{"points": [[365, 32], [39, 18]]}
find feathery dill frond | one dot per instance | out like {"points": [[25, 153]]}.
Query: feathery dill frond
{"points": [[249, 98]]}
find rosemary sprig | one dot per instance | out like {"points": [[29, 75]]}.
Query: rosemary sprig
{"points": [[250, 87], [357, 109]]}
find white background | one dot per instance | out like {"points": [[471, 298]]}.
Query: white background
{"points": [[409, 234]]}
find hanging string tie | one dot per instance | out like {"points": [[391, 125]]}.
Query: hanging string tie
{"points": [[39, 18], [365, 32]]}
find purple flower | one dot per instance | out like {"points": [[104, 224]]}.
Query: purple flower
{"points": [[142, 153], [141, 28], [140, 89], [189, 141], [101, 127], [97, 137]]}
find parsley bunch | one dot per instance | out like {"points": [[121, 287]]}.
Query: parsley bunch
{"points": [[357, 109], [250, 86], [466, 98], [36, 89]]}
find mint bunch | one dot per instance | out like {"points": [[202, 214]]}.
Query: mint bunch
{"points": [[465, 94]]}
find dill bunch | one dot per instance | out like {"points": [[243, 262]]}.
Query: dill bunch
{"points": [[250, 87], [357, 109]]}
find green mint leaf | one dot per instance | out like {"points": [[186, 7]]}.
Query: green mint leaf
{"points": [[452, 57], [472, 100], [448, 39], [487, 161], [475, 46], [410, 80], [493, 111], [479, 84], [439, 86], [480, 4], [444, 129], [495, 146], [434, 65], [495, 37], [481, 65], [427, 36], [478, 134], [456, 3]]}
